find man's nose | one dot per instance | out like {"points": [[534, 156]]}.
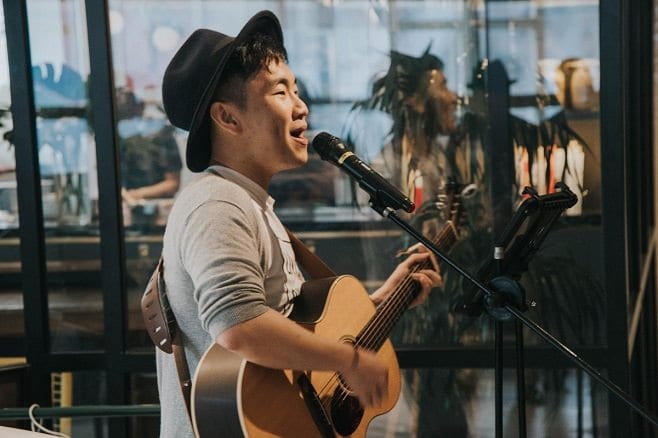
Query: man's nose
{"points": [[301, 109]]}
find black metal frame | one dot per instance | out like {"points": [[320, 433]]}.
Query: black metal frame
{"points": [[626, 35], [614, 132], [642, 337], [33, 262], [627, 149], [101, 94]]}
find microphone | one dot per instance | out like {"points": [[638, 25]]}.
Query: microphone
{"points": [[333, 150]]}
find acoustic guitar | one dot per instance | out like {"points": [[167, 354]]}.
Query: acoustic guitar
{"points": [[232, 397]]}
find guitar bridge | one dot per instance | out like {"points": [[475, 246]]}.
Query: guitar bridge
{"points": [[314, 405]]}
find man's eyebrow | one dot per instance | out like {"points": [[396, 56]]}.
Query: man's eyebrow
{"points": [[281, 80]]}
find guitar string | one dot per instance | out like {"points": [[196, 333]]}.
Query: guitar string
{"points": [[363, 339], [400, 298], [387, 307], [402, 292], [376, 333], [403, 299], [372, 335]]}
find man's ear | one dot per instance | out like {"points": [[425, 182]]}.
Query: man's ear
{"points": [[225, 116]]}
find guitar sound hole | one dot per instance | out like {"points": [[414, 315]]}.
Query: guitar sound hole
{"points": [[346, 412]]}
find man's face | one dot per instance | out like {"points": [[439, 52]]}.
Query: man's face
{"points": [[437, 90], [275, 120]]}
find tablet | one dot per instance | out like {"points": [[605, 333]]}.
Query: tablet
{"points": [[523, 236]]}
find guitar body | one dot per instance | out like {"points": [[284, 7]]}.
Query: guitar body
{"points": [[232, 397]]}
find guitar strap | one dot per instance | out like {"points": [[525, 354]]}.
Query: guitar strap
{"points": [[311, 263], [161, 325]]}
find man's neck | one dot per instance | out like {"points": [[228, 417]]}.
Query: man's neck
{"points": [[260, 178]]}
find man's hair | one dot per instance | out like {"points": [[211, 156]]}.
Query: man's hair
{"points": [[246, 61]]}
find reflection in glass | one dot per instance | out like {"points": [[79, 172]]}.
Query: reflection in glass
{"points": [[150, 159], [143, 390], [64, 147], [343, 53], [554, 118], [151, 150], [66, 150], [80, 388], [460, 403], [8, 194], [11, 298]]}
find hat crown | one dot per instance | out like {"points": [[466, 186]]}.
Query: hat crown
{"points": [[190, 73]]}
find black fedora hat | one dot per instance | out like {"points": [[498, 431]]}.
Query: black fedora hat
{"points": [[193, 74]]}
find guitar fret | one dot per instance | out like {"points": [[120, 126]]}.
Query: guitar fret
{"points": [[376, 331]]}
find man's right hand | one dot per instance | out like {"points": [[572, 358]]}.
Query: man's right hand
{"points": [[367, 377]]}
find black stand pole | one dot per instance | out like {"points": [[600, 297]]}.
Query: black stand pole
{"points": [[498, 377], [509, 290], [520, 379], [504, 300], [517, 293], [498, 363]]}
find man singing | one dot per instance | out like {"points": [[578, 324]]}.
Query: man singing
{"points": [[230, 270]]}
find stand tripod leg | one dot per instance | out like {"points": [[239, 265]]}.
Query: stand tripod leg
{"points": [[498, 369], [520, 379]]}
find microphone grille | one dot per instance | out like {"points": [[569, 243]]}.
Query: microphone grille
{"points": [[327, 146]]}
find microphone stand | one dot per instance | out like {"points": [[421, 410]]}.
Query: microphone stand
{"points": [[504, 300]]}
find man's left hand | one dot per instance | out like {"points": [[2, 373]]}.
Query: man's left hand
{"points": [[427, 278]]}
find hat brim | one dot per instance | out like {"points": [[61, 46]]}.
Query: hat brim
{"points": [[198, 148]]}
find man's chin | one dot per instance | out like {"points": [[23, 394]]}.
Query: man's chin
{"points": [[297, 163]]}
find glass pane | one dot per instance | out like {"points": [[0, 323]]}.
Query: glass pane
{"points": [[144, 390], [403, 82], [143, 250], [80, 388], [145, 35], [550, 51], [555, 88], [460, 403], [59, 51], [551, 139], [13, 385], [12, 325]]}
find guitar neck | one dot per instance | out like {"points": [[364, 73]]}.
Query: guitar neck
{"points": [[390, 311]]}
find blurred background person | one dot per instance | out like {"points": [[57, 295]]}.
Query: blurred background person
{"points": [[150, 159]]}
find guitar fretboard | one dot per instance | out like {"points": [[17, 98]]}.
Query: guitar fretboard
{"points": [[376, 331]]}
